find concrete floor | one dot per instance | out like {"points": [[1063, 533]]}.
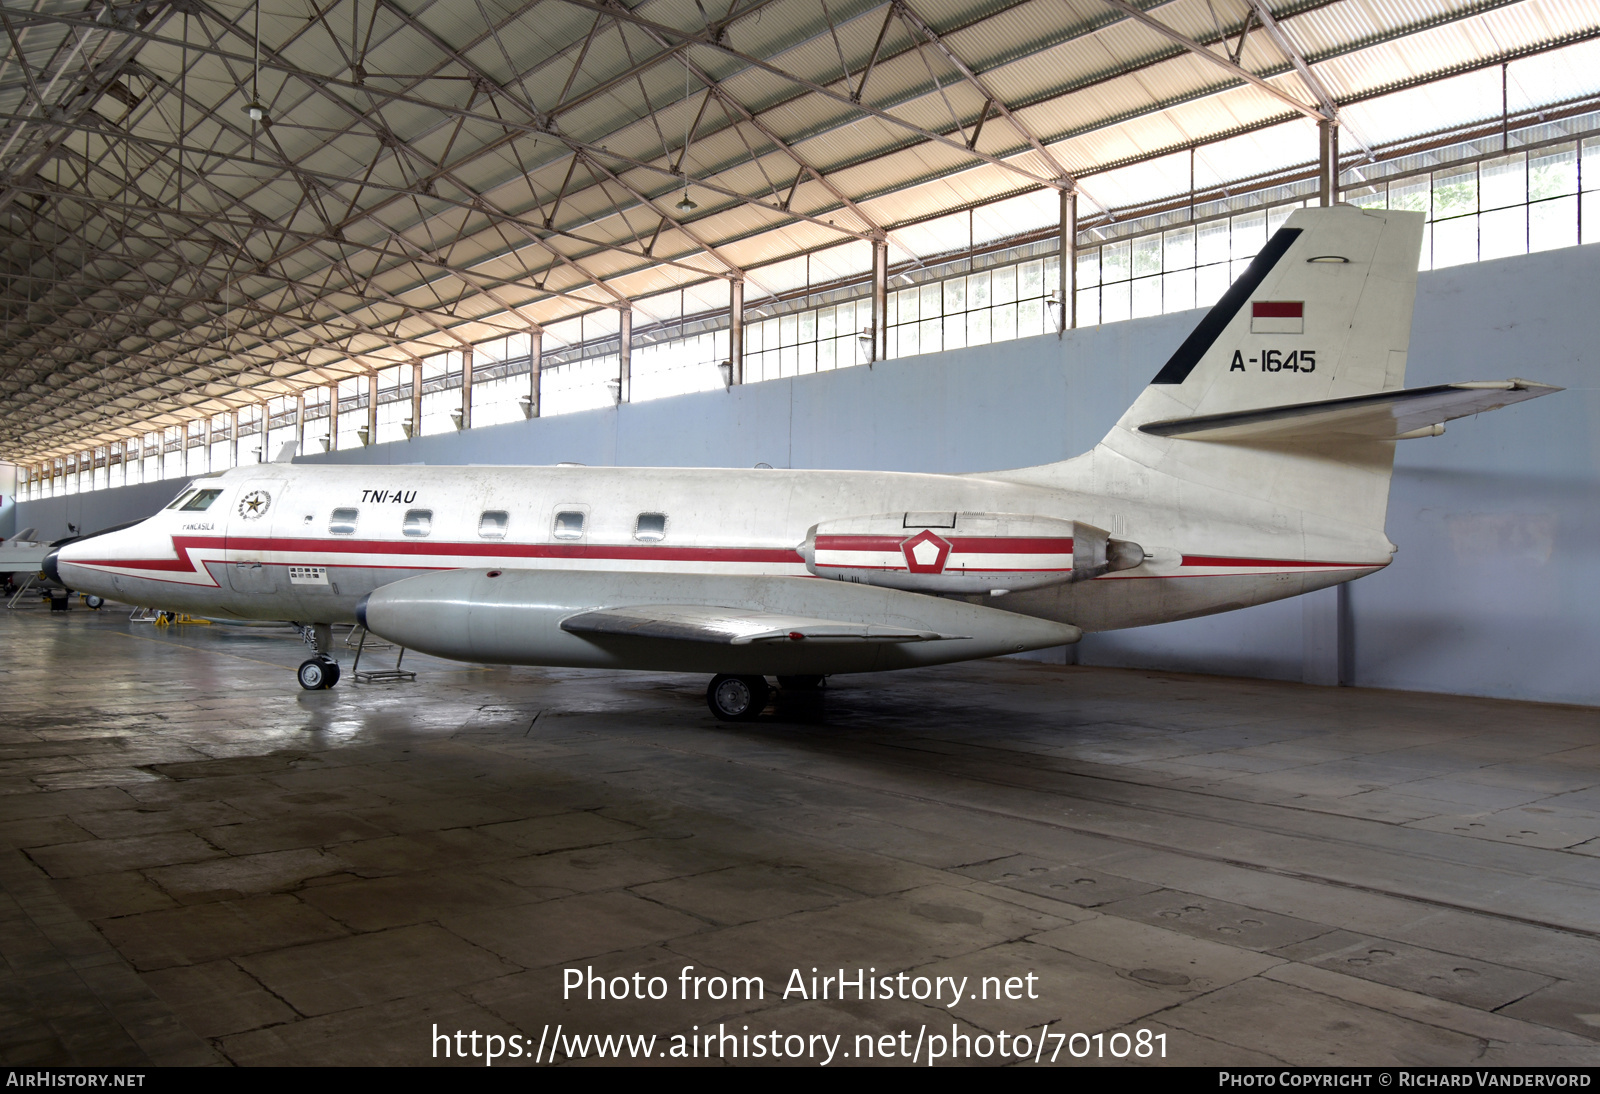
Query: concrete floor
{"points": [[203, 864]]}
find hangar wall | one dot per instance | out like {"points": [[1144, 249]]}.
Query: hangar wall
{"points": [[1496, 590], [8, 500], [96, 510]]}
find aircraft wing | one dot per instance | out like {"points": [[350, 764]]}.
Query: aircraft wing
{"points": [[22, 556], [691, 622], [734, 626], [1387, 415]]}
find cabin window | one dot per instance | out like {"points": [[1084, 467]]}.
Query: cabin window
{"points": [[652, 528], [201, 501], [569, 525], [181, 498], [418, 523], [493, 524], [343, 522]]}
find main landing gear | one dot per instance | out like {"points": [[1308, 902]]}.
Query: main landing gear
{"points": [[320, 672], [737, 698], [741, 698]]}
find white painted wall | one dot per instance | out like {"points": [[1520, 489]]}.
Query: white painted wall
{"points": [[8, 500], [1496, 590]]}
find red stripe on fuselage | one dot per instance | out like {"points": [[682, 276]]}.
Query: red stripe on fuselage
{"points": [[424, 549], [1282, 563], [986, 545]]}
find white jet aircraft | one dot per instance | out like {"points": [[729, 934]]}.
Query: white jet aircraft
{"points": [[1255, 466]]}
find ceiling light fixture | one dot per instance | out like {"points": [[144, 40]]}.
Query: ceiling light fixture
{"points": [[257, 112], [684, 204]]}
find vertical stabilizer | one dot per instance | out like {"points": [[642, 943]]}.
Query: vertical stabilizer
{"points": [[1323, 312]]}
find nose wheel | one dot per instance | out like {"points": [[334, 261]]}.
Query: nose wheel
{"points": [[737, 698], [318, 673]]}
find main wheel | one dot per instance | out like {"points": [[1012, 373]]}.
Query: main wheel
{"points": [[737, 698], [800, 683], [318, 673], [93, 601]]}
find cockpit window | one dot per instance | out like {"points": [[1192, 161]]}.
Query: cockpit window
{"points": [[342, 522], [202, 500], [181, 498]]}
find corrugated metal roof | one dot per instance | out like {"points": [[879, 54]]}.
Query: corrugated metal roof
{"points": [[417, 193]]}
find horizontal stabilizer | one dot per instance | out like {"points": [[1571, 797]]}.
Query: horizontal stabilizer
{"points": [[1384, 416], [733, 626]]}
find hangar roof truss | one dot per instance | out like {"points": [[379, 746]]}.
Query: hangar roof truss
{"points": [[204, 203]]}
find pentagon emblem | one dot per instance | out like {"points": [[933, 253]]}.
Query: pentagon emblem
{"points": [[926, 553]]}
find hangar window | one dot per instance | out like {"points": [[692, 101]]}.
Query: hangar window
{"points": [[342, 522], [569, 525], [652, 528], [418, 523], [201, 501], [493, 524]]}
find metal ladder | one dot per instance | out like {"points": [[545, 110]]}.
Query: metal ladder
{"points": [[24, 587], [377, 676]]}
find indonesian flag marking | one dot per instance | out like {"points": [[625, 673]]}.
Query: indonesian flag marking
{"points": [[1277, 317]]}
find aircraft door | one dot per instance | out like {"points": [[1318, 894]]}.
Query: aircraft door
{"points": [[251, 520]]}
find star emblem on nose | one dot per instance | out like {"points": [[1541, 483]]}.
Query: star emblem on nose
{"points": [[254, 504]]}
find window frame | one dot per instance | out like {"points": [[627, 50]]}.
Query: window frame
{"points": [[505, 524], [566, 511], [417, 524], [638, 528], [201, 501], [335, 521]]}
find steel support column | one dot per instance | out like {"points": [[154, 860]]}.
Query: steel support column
{"points": [[416, 399], [736, 330], [466, 389], [372, 408], [299, 424], [1328, 162], [208, 453], [233, 442], [625, 356], [880, 300], [535, 367], [333, 416], [1069, 259]]}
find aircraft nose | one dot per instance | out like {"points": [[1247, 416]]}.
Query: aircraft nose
{"points": [[49, 567]]}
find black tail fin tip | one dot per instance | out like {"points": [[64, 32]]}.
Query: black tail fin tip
{"points": [[1177, 369]]}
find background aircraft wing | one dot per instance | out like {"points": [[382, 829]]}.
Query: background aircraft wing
{"points": [[1387, 415], [734, 626], [23, 556]]}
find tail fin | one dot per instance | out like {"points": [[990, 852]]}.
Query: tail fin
{"points": [[1323, 312]]}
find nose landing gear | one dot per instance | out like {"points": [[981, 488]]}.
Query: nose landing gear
{"points": [[320, 672]]}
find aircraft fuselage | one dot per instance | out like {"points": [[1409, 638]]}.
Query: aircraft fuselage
{"points": [[308, 542]]}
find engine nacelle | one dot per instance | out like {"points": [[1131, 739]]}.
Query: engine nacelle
{"points": [[964, 553]]}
